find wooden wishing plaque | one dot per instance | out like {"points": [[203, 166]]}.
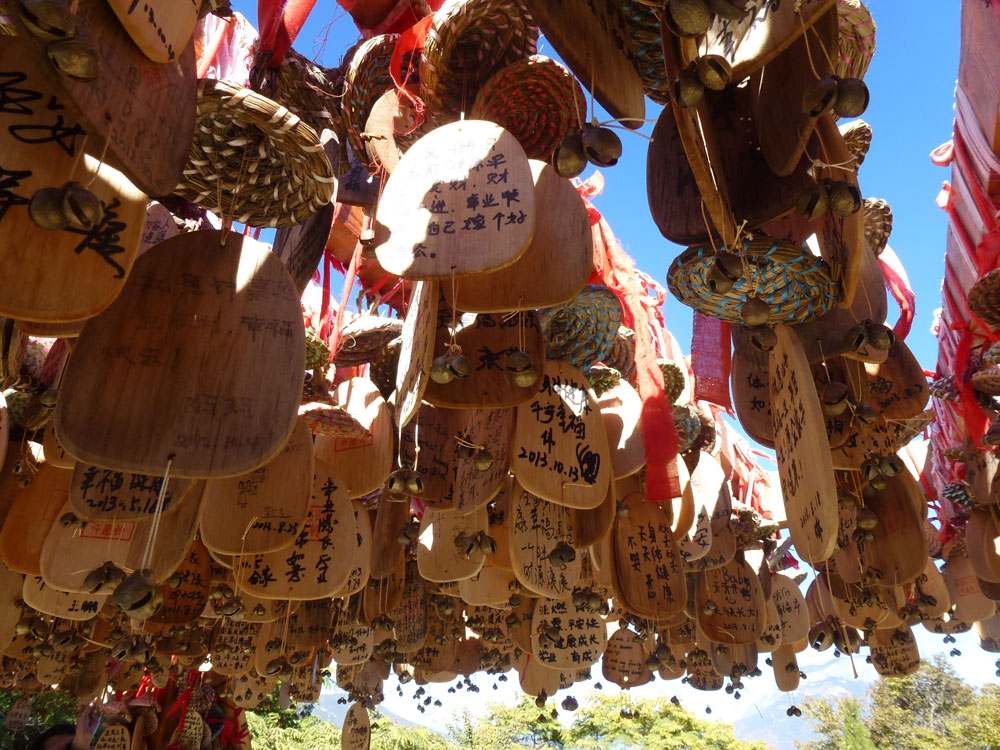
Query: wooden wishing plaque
{"points": [[440, 557], [460, 201], [61, 604], [805, 467], [451, 481], [752, 400], [764, 31], [562, 240], [35, 509], [175, 367], [144, 111], [356, 732], [647, 561], [98, 494], [486, 339], [233, 645], [160, 28], [11, 589], [581, 635], [362, 464], [262, 510], [739, 609], [417, 350], [621, 409], [899, 550], [791, 608], [894, 652], [624, 661], [561, 447], [315, 564], [409, 617], [56, 275], [114, 737], [593, 40], [359, 563], [185, 602], [897, 388], [536, 527]]}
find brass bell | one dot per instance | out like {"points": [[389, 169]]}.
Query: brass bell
{"points": [[75, 59], [821, 636], [621, 509], [396, 483], [687, 18], [688, 88], [518, 361], [487, 545], [137, 596], [82, 209], [710, 608], [870, 469], [865, 413], [867, 520], [852, 97], [275, 666], [726, 270], [813, 203], [260, 610], [414, 482], [881, 336], [70, 520], [857, 337], [846, 500], [569, 159], [140, 652], [762, 338], [122, 649], [175, 580], [439, 370], [569, 703], [601, 146], [755, 311], [562, 555], [46, 209], [460, 366], [892, 465], [407, 534], [47, 19], [525, 378], [845, 199], [820, 96], [833, 398], [713, 71], [465, 451], [734, 11], [483, 459], [95, 580]]}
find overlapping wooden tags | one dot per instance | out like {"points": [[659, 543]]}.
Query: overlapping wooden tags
{"points": [[185, 596], [115, 737], [460, 201], [650, 577], [262, 510], [805, 467], [233, 645], [409, 617], [61, 604], [624, 661], [594, 524], [11, 589], [621, 409], [970, 604], [451, 480], [68, 274], [761, 34], [536, 528], [562, 240], [319, 560], [561, 447], [160, 28], [36, 508], [730, 603], [593, 40], [362, 464], [360, 563], [417, 351], [897, 388], [447, 548], [566, 636], [145, 112], [173, 369], [898, 550], [894, 652], [708, 489], [98, 494]]}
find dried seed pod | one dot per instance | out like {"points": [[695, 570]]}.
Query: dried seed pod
{"points": [[46, 209], [852, 97], [75, 59], [820, 96], [713, 71], [568, 159]]}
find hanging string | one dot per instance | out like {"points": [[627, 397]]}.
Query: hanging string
{"points": [[104, 153], [157, 515]]}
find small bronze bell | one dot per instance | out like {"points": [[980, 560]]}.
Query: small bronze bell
{"points": [[70, 520], [569, 159], [867, 520], [47, 19], [562, 555], [687, 18], [890, 466], [865, 414], [821, 636], [525, 378], [465, 451], [518, 361], [845, 199], [755, 311], [95, 580], [46, 209], [396, 483], [439, 370], [75, 59], [881, 336], [601, 146], [833, 398], [688, 88], [813, 203], [713, 71], [726, 270], [569, 703], [414, 482], [483, 459], [762, 338], [460, 366], [487, 545], [870, 469], [122, 649], [820, 96], [857, 337], [852, 97], [408, 533], [846, 500], [137, 596], [82, 209]]}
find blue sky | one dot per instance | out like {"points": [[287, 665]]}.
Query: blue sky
{"points": [[912, 80]]}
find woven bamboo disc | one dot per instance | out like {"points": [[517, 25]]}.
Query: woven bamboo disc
{"points": [[537, 100], [622, 354], [857, 39], [366, 79], [984, 298], [796, 284], [467, 43], [858, 139], [362, 338], [253, 161], [878, 224], [582, 332], [986, 380], [644, 30]]}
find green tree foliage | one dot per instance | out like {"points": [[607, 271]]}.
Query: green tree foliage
{"points": [[932, 709], [47, 709], [522, 725], [274, 729]]}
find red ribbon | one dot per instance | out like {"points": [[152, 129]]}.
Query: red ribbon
{"points": [[410, 40], [711, 360], [333, 329], [280, 21], [896, 282]]}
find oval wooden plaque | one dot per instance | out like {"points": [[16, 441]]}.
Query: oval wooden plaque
{"points": [[536, 526], [36, 508], [61, 604], [417, 350], [108, 495]]}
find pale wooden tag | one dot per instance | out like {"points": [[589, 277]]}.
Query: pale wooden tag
{"points": [[98, 494], [580, 635], [791, 608], [441, 556], [624, 661], [460, 201], [805, 467], [262, 510], [894, 652], [897, 387], [387, 552], [730, 603], [621, 409], [701, 672], [561, 447], [184, 603], [786, 669], [596, 523], [967, 598], [55, 454], [360, 561], [67, 606], [160, 28], [409, 617], [536, 527], [534, 677], [172, 370], [490, 587], [898, 550], [562, 240], [36, 508], [116, 737], [233, 646], [981, 544], [417, 351]]}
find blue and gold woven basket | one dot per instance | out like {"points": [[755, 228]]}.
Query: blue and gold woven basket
{"points": [[796, 284], [582, 331]]}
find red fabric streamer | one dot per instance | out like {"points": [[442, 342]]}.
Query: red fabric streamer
{"points": [[411, 40], [711, 360], [280, 21], [896, 282], [616, 271], [333, 331], [973, 416]]}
